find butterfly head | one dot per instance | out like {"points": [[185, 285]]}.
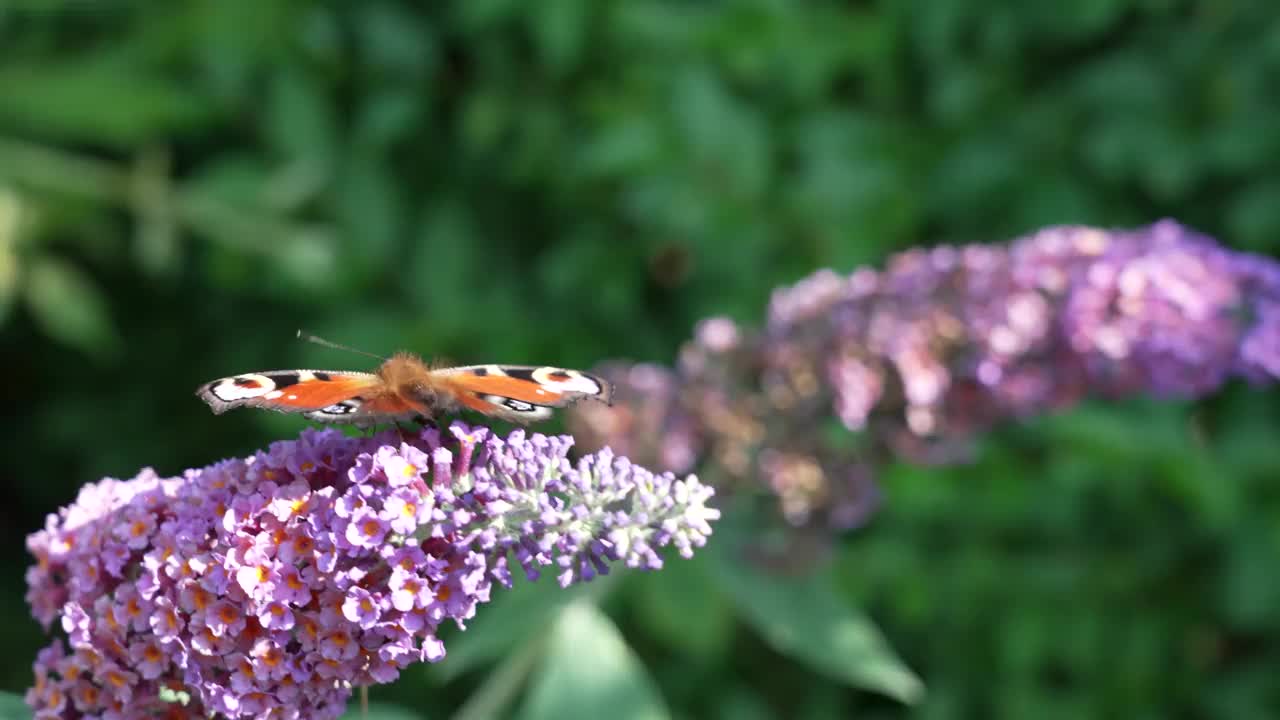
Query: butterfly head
{"points": [[409, 377]]}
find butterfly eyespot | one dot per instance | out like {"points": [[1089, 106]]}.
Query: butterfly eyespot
{"points": [[513, 404], [342, 408], [488, 371], [561, 380], [240, 387]]}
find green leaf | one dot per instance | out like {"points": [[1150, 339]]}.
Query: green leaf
{"points": [[231, 178], [371, 212], [298, 118], [806, 619], [386, 117], [155, 242], [627, 146], [445, 262], [589, 672], [502, 684], [1254, 217], [508, 621], [379, 711], [95, 100], [485, 118], [742, 703], [12, 707], [560, 30], [69, 307], [478, 14], [395, 42], [726, 139], [11, 212], [682, 607]]}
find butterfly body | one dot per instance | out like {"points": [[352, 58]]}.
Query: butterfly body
{"points": [[404, 388]]}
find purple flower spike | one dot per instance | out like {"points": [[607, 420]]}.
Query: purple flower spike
{"points": [[273, 585], [941, 344]]}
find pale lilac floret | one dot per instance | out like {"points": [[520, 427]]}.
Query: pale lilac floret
{"points": [[276, 616], [166, 622], [224, 618], [404, 511], [149, 658], [362, 607], [293, 587], [366, 529], [405, 468], [409, 590], [254, 569], [277, 583]]}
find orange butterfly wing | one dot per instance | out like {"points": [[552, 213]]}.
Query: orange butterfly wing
{"points": [[519, 393], [322, 395]]}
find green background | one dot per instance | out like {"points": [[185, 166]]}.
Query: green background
{"points": [[183, 185]]}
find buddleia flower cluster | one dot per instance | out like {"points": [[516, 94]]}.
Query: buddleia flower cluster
{"points": [[851, 370], [270, 586]]}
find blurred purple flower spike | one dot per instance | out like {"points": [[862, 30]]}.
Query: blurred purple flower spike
{"points": [[270, 586], [850, 371]]}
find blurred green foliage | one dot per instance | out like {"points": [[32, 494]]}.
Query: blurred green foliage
{"points": [[183, 185]]}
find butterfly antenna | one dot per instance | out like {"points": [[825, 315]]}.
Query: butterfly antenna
{"points": [[329, 344]]}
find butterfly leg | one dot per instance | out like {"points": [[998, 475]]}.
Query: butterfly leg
{"points": [[366, 429], [412, 431]]}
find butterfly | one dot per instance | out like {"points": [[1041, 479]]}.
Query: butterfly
{"points": [[405, 388]]}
